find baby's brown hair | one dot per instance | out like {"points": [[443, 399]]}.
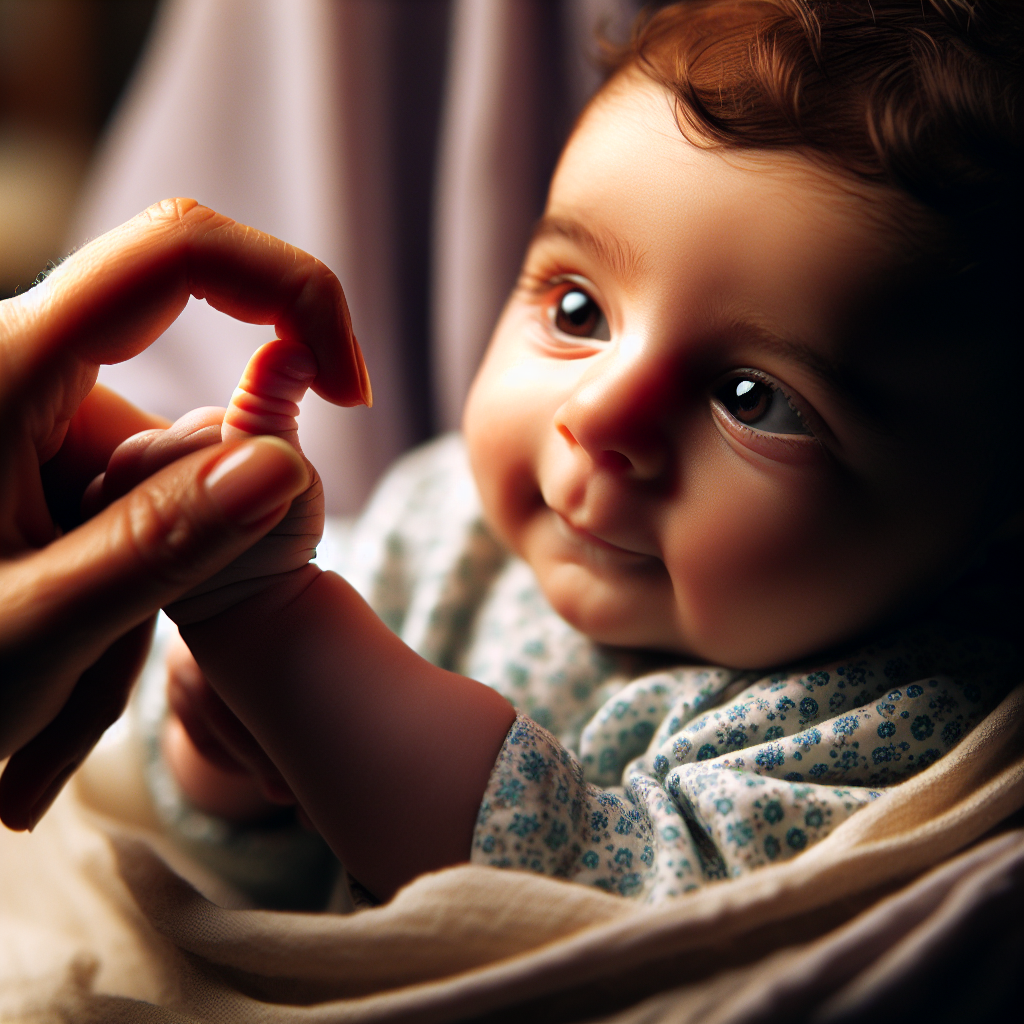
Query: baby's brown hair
{"points": [[920, 95], [923, 95]]}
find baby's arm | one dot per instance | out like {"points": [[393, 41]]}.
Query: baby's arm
{"points": [[388, 755]]}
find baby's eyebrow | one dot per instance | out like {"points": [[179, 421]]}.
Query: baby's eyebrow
{"points": [[626, 262], [841, 379], [828, 372]]}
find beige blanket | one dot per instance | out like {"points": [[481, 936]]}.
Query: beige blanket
{"points": [[98, 921]]}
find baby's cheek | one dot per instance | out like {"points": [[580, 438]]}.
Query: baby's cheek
{"points": [[749, 561]]}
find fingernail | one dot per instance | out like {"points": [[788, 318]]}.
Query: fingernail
{"points": [[256, 478], [43, 804], [365, 389]]}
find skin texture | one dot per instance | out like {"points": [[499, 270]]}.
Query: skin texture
{"points": [[651, 515], [76, 607], [614, 461], [298, 691]]}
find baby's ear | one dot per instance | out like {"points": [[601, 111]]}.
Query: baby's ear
{"points": [[143, 454], [267, 398]]}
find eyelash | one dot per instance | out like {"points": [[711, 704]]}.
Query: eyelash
{"points": [[545, 288], [535, 284], [539, 286], [790, 447]]}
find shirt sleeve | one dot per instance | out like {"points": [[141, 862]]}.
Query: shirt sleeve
{"points": [[540, 814]]}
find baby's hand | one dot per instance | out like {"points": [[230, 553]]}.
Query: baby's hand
{"points": [[216, 761], [264, 403]]}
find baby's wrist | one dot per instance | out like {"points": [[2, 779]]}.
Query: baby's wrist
{"points": [[201, 605]]}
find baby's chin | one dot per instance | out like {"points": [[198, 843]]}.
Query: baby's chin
{"points": [[600, 611]]}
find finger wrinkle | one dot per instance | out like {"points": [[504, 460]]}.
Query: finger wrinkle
{"points": [[165, 545], [192, 218], [213, 429]]}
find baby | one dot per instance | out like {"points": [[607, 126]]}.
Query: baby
{"points": [[738, 412]]}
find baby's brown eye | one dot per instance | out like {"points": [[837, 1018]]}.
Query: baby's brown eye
{"points": [[577, 314], [747, 400], [757, 404]]}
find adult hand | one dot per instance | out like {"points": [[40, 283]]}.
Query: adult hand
{"points": [[76, 607]]}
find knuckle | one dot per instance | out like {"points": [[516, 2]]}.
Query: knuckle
{"points": [[167, 536], [172, 210], [160, 213], [183, 206], [179, 216]]}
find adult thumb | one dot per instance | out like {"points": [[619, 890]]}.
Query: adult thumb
{"points": [[63, 606]]}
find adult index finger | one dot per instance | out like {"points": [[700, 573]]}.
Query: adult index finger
{"points": [[116, 295]]}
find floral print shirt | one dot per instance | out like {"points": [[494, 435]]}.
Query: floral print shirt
{"points": [[622, 770]]}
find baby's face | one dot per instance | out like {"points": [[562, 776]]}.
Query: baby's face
{"points": [[686, 422]]}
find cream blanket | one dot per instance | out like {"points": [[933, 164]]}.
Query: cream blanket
{"points": [[98, 921]]}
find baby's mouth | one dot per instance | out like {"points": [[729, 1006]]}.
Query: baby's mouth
{"points": [[579, 537]]}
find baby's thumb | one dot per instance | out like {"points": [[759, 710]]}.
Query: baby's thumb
{"points": [[267, 398]]}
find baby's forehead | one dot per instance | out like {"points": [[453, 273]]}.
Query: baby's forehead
{"points": [[628, 154], [631, 108]]}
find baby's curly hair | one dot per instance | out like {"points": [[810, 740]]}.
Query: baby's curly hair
{"points": [[923, 95]]}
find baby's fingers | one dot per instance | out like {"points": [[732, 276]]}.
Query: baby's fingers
{"points": [[267, 398], [145, 453]]}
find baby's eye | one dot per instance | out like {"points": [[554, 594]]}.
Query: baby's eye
{"points": [[578, 315], [756, 403]]}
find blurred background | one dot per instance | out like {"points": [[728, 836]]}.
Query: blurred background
{"points": [[406, 143], [63, 65]]}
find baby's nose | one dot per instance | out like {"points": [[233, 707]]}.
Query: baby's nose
{"points": [[617, 412]]}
